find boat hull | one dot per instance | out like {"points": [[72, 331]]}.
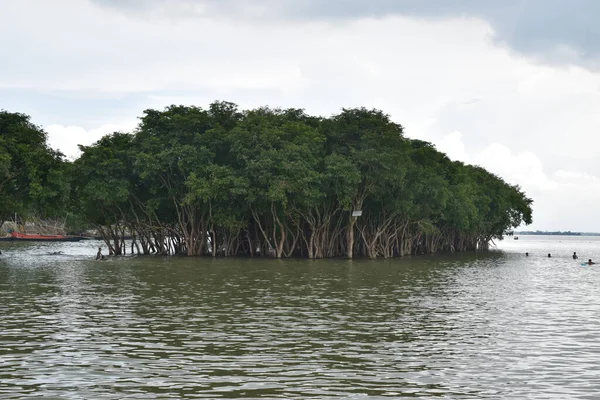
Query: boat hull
{"points": [[69, 239], [23, 237]]}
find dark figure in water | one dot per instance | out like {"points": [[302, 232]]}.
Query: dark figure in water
{"points": [[575, 256], [590, 262], [99, 256], [549, 255], [526, 254]]}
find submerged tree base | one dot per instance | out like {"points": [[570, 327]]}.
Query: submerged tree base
{"points": [[133, 248]]}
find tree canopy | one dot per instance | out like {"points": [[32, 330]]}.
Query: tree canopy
{"points": [[33, 177], [222, 181]]}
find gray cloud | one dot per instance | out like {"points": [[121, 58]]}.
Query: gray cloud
{"points": [[555, 31]]}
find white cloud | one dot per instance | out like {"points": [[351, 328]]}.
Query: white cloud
{"points": [[453, 146], [67, 138], [524, 169], [567, 196], [576, 178]]}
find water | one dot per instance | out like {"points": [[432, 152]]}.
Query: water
{"points": [[470, 326]]}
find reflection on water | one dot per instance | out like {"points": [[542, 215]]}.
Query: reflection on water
{"points": [[497, 325]]}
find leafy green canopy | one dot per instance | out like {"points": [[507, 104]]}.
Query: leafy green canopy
{"points": [[33, 177], [281, 181]]}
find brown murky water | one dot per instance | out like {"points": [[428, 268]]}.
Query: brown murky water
{"points": [[473, 326]]}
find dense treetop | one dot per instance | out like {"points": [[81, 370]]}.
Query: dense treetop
{"points": [[32, 175], [270, 182]]}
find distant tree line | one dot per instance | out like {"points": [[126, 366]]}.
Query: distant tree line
{"points": [[224, 182], [553, 233]]}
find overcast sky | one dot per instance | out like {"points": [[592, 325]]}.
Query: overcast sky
{"points": [[511, 85]]}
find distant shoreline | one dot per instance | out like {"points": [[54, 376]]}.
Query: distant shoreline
{"points": [[558, 233]]}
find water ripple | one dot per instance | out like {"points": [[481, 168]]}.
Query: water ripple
{"points": [[460, 327]]}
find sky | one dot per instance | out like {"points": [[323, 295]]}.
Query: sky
{"points": [[511, 85]]}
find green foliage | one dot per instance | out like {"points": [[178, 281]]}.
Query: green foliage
{"points": [[33, 178], [283, 171], [281, 182], [103, 178]]}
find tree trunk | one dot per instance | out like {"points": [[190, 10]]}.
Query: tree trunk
{"points": [[350, 238]]}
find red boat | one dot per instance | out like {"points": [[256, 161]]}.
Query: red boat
{"points": [[26, 237]]}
